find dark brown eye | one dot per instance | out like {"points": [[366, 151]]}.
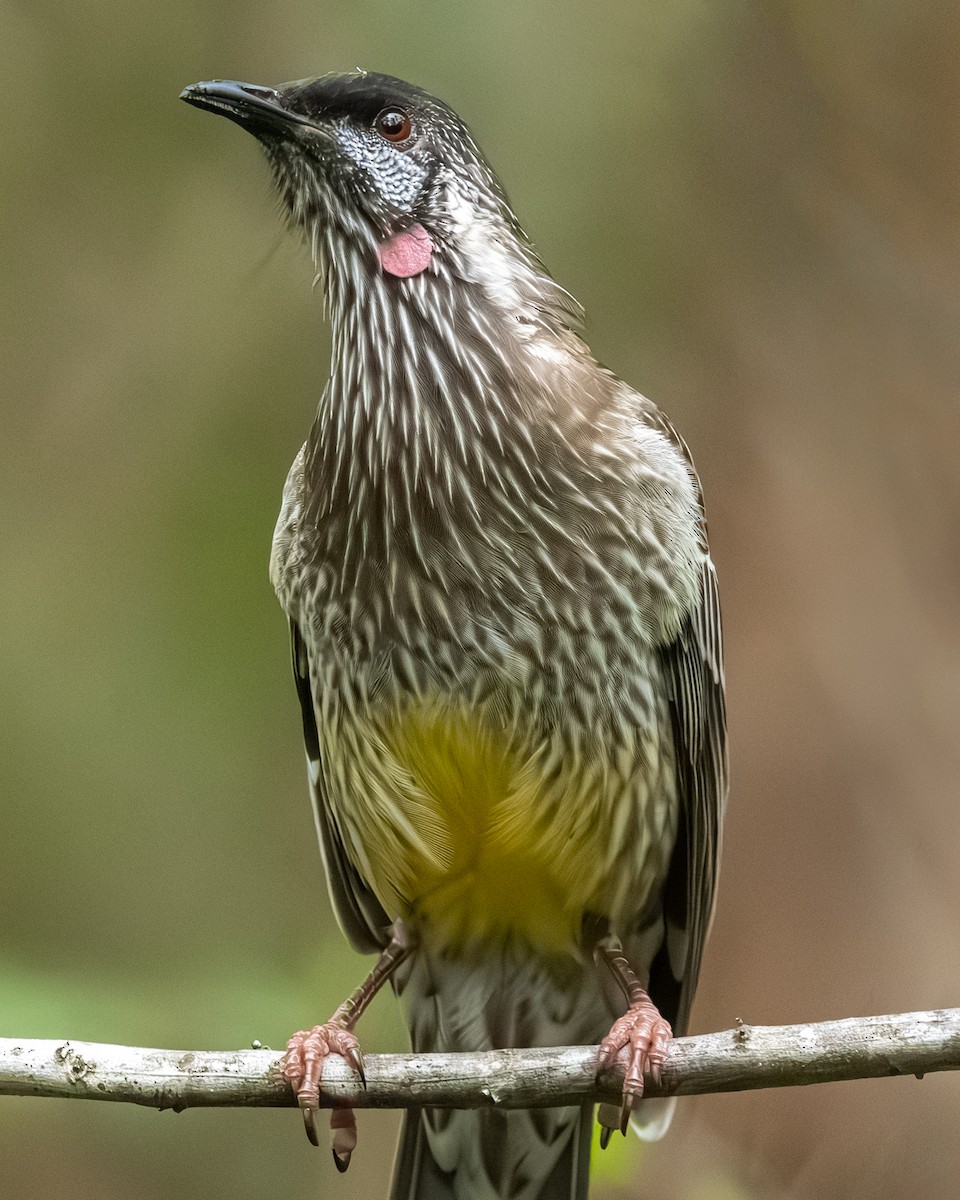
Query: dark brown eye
{"points": [[393, 124]]}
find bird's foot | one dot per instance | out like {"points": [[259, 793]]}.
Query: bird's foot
{"points": [[307, 1051], [302, 1067], [645, 1035]]}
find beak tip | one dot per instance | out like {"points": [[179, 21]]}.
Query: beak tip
{"points": [[194, 93], [250, 105]]}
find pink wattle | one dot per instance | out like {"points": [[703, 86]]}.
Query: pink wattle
{"points": [[406, 253]]}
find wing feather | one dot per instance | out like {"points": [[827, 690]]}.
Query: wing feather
{"points": [[357, 909], [693, 670], [692, 667]]}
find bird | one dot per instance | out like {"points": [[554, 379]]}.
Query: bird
{"points": [[506, 642]]}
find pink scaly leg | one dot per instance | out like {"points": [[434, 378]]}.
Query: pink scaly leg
{"points": [[642, 1031], [309, 1049]]}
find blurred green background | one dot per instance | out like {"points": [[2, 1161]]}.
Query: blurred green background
{"points": [[758, 205]]}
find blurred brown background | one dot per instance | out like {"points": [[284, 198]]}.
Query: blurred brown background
{"points": [[758, 204]]}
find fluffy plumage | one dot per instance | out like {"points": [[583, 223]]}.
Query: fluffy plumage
{"points": [[505, 624]]}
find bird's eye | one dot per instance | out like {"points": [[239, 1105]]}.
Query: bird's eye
{"points": [[393, 124]]}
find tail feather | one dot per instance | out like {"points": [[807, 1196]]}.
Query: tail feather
{"points": [[490, 1155], [652, 1118]]}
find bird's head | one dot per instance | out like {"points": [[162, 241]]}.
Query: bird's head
{"points": [[371, 165]]}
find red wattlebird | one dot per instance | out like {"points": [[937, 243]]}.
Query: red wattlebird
{"points": [[506, 640]]}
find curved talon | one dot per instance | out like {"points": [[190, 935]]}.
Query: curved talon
{"points": [[343, 1129], [309, 1124], [355, 1059]]}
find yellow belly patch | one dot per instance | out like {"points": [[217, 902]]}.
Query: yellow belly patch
{"points": [[478, 852]]}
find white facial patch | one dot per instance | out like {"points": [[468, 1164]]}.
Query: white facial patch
{"points": [[395, 174]]}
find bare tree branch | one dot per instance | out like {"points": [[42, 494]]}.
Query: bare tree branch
{"points": [[738, 1060]]}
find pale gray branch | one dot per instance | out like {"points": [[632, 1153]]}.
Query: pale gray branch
{"points": [[747, 1057]]}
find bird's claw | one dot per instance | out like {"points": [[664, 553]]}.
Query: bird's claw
{"points": [[645, 1035], [343, 1131], [356, 1060], [309, 1123], [302, 1067]]}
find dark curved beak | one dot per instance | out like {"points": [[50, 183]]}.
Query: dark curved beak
{"points": [[257, 109]]}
